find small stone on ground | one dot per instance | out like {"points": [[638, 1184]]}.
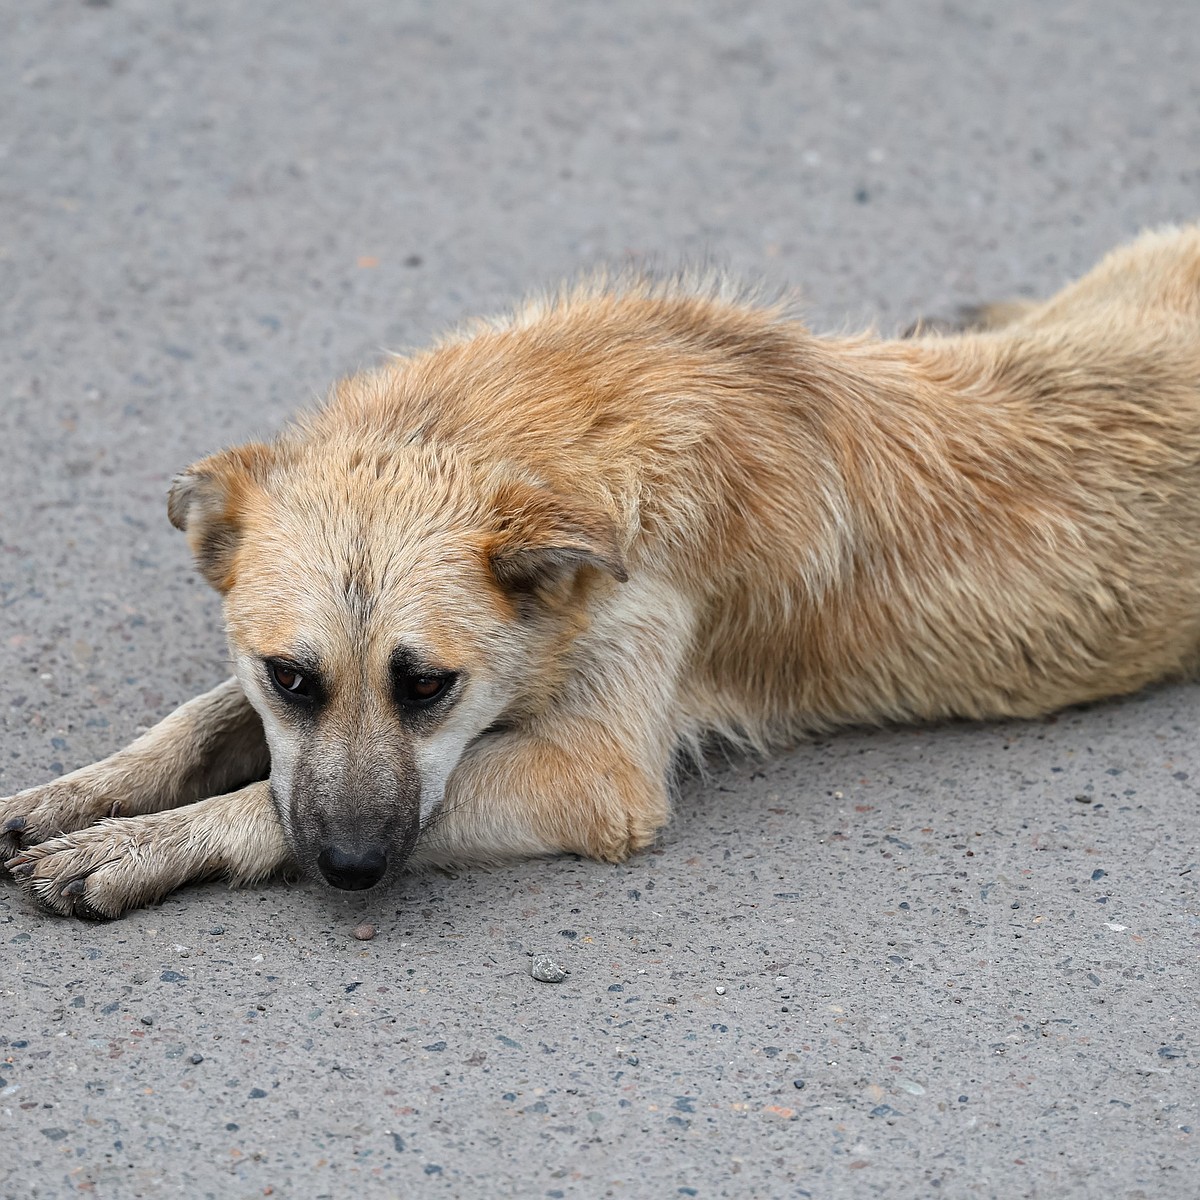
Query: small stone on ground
{"points": [[546, 970]]}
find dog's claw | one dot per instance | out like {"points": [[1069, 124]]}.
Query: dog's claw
{"points": [[20, 867], [14, 825], [85, 912], [75, 888]]}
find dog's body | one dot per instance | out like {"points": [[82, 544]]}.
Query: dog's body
{"points": [[479, 602]]}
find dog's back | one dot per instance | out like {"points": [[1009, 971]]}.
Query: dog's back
{"points": [[995, 523]]}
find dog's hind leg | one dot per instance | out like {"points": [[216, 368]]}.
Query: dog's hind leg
{"points": [[1157, 273], [109, 868], [207, 746]]}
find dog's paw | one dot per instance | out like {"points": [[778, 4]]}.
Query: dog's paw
{"points": [[971, 318], [620, 823], [67, 804], [100, 872], [614, 843], [962, 319]]}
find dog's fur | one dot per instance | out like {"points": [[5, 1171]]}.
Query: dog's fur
{"points": [[629, 518]]}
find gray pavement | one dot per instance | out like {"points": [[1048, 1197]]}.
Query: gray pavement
{"points": [[956, 962]]}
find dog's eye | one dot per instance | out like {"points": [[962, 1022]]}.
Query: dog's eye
{"points": [[289, 681], [422, 689]]}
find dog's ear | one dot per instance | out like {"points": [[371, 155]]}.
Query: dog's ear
{"points": [[208, 501], [539, 540]]}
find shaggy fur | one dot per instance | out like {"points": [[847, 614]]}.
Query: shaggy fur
{"points": [[631, 517]]}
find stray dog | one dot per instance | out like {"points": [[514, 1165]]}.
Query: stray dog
{"points": [[480, 601]]}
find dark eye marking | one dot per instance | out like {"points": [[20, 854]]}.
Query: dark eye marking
{"points": [[293, 684], [422, 690], [418, 685]]}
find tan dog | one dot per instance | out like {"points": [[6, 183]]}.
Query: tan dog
{"points": [[480, 601]]}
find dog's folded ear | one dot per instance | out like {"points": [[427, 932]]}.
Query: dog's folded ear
{"points": [[208, 502], [539, 539]]}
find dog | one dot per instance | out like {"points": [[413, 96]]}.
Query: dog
{"points": [[481, 601]]}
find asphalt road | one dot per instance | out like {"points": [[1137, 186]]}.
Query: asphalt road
{"points": [[956, 962]]}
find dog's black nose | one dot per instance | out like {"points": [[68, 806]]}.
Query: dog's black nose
{"points": [[352, 870]]}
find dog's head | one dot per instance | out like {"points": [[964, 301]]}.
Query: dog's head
{"points": [[386, 607]]}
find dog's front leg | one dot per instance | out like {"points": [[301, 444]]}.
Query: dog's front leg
{"points": [[591, 773], [573, 786], [107, 869], [204, 748]]}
